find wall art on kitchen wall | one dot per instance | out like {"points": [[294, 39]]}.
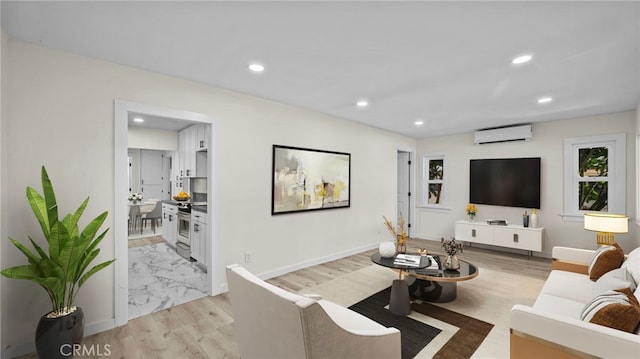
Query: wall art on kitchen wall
{"points": [[307, 179]]}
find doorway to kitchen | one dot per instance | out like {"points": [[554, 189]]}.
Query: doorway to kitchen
{"points": [[135, 264]]}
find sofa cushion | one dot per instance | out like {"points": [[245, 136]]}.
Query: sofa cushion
{"points": [[613, 280], [563, 307], [605, 259], [569, 285], [614, 309], [347, 318], [632, 264]]}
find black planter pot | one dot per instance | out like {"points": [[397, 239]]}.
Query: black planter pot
{"points": [[55, 337]]}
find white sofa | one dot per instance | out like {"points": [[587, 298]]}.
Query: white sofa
{"points": [[552, 327], [271, 322]]}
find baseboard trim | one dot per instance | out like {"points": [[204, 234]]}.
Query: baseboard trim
{"points": [[30, 347]]}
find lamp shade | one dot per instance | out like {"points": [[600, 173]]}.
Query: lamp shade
{"points": [[606, 222]]}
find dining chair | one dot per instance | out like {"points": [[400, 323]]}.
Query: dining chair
{"points": [[155, 216], [134, 216]]}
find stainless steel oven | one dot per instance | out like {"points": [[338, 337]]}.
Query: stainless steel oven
{"points": [[183, 245], [184, 224]]}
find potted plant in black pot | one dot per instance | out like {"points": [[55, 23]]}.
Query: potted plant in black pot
{"points": [[61, 269]]}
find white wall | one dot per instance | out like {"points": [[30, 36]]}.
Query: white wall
{"points": [[3, 110], [153, 139], [547, 143], [61, 115]]}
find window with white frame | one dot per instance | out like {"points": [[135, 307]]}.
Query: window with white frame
{"points": [[594, 175], [434, 186]]}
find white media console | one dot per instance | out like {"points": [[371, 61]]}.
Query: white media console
{"points": [[510, 236]]}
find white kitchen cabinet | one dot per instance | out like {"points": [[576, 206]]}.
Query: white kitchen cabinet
{"points": [[191, 141], [510, 236], [186, 145], [202, 137], [169, 223], [199, 237]]}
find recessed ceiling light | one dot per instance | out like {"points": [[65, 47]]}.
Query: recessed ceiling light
{"points": [[521, 59], [545, 99], [362, 103], [419, 123], [138, 119], [255, 67]]}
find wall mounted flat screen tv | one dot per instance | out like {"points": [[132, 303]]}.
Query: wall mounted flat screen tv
{"points": [[512, 182]]}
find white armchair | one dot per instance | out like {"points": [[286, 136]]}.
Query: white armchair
{"points": [[271, 322]]}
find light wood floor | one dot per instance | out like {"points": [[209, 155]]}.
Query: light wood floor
{"points": [[144, 241], [204, 328]]}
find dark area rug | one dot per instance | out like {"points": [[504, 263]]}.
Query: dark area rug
{"points": [[416, 335], [466, 340]]}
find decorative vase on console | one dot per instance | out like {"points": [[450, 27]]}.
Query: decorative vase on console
{"points": [[534, 218], [451, 247], [471, 211]]}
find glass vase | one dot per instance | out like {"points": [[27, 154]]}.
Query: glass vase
{"points": [[451, 263]]}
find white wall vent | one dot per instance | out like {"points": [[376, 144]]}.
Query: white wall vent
{"points": [[503, 134]]}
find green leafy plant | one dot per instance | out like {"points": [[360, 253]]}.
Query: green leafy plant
{"points": [[63, 270]]}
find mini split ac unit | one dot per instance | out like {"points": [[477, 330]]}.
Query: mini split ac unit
{"points": [[503, 134]]}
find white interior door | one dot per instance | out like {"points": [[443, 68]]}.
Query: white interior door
{"points": [[404, 209], [151, 174]]}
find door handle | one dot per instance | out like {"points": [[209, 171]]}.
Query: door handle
{"points": [[515, 237], [196, 228], [473, 233]]}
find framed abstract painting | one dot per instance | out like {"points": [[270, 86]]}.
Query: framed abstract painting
{"points": [[307, 179]]}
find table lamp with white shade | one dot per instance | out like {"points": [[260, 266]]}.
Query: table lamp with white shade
{"points": [[606, 224]]}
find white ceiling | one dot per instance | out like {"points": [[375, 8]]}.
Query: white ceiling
{"points": [[447, 63]]}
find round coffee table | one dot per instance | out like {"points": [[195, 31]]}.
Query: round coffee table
{"points": [[399, 301], [439, 285]]}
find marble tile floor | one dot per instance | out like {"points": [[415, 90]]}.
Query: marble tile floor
{"points": [[159, 279]]}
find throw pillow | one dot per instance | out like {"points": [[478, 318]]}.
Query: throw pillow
{"points": [[616, 279], [605, 259], [632, 263], [614, 309]]}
